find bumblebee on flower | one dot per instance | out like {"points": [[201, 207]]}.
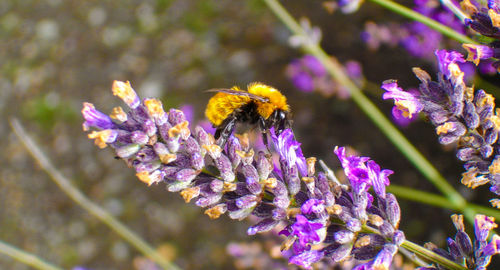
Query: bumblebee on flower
{"points": [[261, 104]]}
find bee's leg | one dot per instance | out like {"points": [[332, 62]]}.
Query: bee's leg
{"points": [[225, 130], [264, 139], [264, 129]]}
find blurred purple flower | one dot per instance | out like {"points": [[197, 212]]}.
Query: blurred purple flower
{"points": [[308, 75], [188, 111], [420, 40]]}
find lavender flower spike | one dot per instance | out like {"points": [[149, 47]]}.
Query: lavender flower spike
{"points": [[461, 115], [485, 20], [322, 220]]}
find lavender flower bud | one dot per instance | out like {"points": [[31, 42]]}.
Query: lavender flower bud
{"points": [[392, 210], [263, 226], [343, 237], [263, 165]]}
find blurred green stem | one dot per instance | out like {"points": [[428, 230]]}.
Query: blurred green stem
{"points": [[390, 131], [436, 200], [404, 11], [25, 257], [86, 203]]}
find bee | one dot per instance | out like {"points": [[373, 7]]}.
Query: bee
{"points": [[260, 105]]}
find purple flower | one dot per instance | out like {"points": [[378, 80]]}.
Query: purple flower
{"points": [[95, 118], [363, 173], [487, 67], [354, 69], [314, 65], [421, 41], [479, 52], [379, 178], [307, 258], [382, 260], [308, 75], [188, 111], [303, 81], [482, 227], [289, 149], [407, 105], [306, 231], [313, 206], [355, 169], [304, 72], [418, 39], [447, 61]]}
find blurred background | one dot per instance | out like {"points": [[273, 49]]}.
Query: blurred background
{"points": [[57, 54]]}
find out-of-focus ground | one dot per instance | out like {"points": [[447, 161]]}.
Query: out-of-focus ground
{"points": [[57, 54]]}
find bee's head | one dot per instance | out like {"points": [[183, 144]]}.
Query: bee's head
{"points": [[281, 120]]}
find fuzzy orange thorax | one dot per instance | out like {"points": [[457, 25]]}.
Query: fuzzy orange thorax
{"points": [[276, 99]]}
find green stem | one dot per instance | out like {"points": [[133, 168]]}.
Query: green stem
{"points": [[422, 252], [25, 257], [436, 200], [455, 9], [432, 256], [86, 203], [390, 131], [404, 11]]}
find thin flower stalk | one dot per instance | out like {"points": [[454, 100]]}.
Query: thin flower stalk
{"points": [[26, 258]]}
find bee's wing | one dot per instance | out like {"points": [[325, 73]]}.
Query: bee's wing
{"points": [[239, 93]]}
